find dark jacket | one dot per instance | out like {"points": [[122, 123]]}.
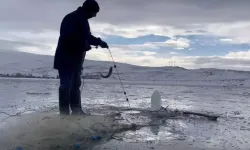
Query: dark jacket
{"points": [[74, 41]]}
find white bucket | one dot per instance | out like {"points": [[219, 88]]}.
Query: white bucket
{"points": [[156, 101]]}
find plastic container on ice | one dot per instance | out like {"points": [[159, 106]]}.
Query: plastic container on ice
{"points": [[156, 101]]}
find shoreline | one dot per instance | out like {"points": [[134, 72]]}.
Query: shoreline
{"points": [[230, 83]]}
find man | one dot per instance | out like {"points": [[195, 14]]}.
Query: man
{"points": [[74, 41]]}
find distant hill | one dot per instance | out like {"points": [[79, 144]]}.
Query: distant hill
{"points": [[42, 65]]}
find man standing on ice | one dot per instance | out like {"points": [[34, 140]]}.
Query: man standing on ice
{"points": [[74, 41]]}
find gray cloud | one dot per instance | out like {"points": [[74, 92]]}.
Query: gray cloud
{"points": [[14, 45], [174, 12], [34, 14], [37, 15], [47, 14]]}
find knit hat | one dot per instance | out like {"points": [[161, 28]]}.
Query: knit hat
{"points": [[91, 6]]}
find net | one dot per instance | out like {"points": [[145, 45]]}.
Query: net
{"points": [[48, 130]]}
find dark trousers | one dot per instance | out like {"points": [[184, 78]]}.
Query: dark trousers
{"points": [[69, 91]]}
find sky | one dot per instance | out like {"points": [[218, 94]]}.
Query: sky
{"points": [[185, 33]]}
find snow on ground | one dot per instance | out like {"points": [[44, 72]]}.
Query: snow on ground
{"points": [[231, 131], [217, 91]]}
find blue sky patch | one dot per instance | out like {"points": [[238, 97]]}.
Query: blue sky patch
{"points": [[200, 45], [119, 40]]}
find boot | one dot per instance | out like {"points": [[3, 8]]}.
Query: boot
{"points": [[75, 103], [64, 101]]}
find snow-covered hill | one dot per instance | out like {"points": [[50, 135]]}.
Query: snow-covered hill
{"points": [[12, 62], [38, 65]]}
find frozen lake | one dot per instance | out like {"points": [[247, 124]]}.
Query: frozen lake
{"points": [[232, 131]]}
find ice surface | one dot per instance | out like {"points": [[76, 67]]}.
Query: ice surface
{"points": [[232, 103], [224, 92]]}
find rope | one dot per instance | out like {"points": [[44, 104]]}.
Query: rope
{"points": [[82, 81], [124, 92]]}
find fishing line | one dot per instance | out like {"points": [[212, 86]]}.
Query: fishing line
{"points": [[124, 92], [115, 66]]}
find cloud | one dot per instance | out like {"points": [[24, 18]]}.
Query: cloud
{"points": [[235, 32], [44, 36], [137, 55], [33, 26], [134, 47], [226, 40], [229, 41], [168, 17], [177, 17], [229, 61], [140, 54], [32, 42], [42, 49], [179, 43], [173, 53], [173, 12], [239, 55], [34, 15], [12, 45], [238, 32], [148, 53], [135, 30], [176, 43]]}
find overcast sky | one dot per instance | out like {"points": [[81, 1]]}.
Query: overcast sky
{"points": [[187, 33]]}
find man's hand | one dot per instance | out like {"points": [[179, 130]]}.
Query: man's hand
{"points": [[104, 44]]}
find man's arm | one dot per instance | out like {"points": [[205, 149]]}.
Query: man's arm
{"points": [[97, 42], [94, 40]]}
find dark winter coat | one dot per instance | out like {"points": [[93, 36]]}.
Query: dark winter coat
{"points": [[74, 41]]}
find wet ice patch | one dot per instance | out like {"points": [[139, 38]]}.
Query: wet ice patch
{"points": [[165, 131]]}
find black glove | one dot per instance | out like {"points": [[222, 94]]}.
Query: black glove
{"points": [[104, 44]]}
